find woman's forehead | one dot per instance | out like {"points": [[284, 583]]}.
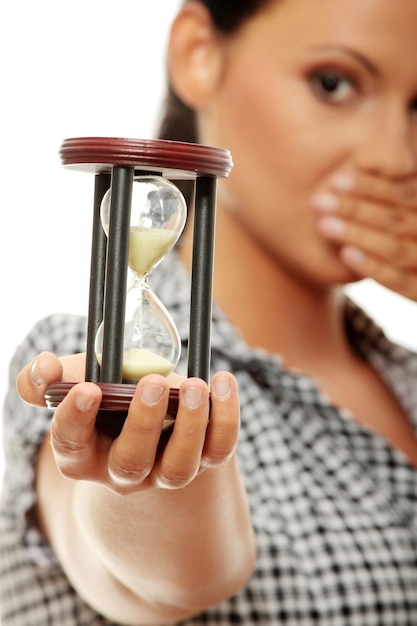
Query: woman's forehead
{"points": [[321, 14], [363, 23]]}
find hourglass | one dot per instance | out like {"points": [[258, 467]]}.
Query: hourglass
{"points": [[139, 214], [151, 343]]}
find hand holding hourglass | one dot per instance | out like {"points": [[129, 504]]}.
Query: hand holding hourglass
{"points": [[139, 215]]}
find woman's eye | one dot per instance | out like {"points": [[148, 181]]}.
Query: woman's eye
{"points": [[331, 86]]}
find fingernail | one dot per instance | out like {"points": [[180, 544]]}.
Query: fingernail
{"points": [[192, 397], [152, 394], [35, 375], [325, 202], [332, 226], [84, 403], [354, 255], [221, 387], [342, 182]]}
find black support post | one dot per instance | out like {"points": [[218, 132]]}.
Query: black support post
{"points": [[116, 274], [199, 349], [97, 272]]}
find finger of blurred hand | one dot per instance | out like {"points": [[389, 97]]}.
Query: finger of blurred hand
{"points": [[73, 436], [132, 455], [395, 249], [390, 276], [385, 256], [374, 187], [397, 219]]}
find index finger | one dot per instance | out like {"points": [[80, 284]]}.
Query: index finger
{"points": [[378, 188]]}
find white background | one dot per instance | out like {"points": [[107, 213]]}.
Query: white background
{"points": [[68, 69]]}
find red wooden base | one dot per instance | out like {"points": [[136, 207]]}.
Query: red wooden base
{"points": [[114, 405]]}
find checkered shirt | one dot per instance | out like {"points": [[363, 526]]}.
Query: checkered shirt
{"points": [[334, 506]]}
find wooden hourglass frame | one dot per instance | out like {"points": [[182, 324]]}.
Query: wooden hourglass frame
{"points": [[116, 163]]}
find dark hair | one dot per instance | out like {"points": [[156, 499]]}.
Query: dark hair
{"points": [[178, 121]]}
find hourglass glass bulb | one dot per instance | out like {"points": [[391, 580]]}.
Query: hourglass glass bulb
{"points": [[157, 219], [151, 342]]}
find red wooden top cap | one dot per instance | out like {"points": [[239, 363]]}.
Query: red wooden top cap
{"points": [[174, 159]]}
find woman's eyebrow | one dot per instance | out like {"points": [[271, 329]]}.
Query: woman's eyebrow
{"points": [[358, 56]]}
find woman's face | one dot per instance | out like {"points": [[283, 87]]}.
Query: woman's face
{"points": [[312, 88]]}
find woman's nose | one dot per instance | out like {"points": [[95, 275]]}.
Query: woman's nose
{"points": [[389, 146]]}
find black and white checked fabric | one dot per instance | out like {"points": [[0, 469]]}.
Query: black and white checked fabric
{"points": [[333, 505]]}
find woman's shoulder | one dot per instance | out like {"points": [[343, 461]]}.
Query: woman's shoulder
{"points": [[59, 333]]}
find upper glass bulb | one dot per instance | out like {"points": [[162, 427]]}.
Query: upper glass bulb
{"points": [[158, 216]]}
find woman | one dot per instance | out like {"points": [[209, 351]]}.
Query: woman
{"points": [[311, 519]]}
